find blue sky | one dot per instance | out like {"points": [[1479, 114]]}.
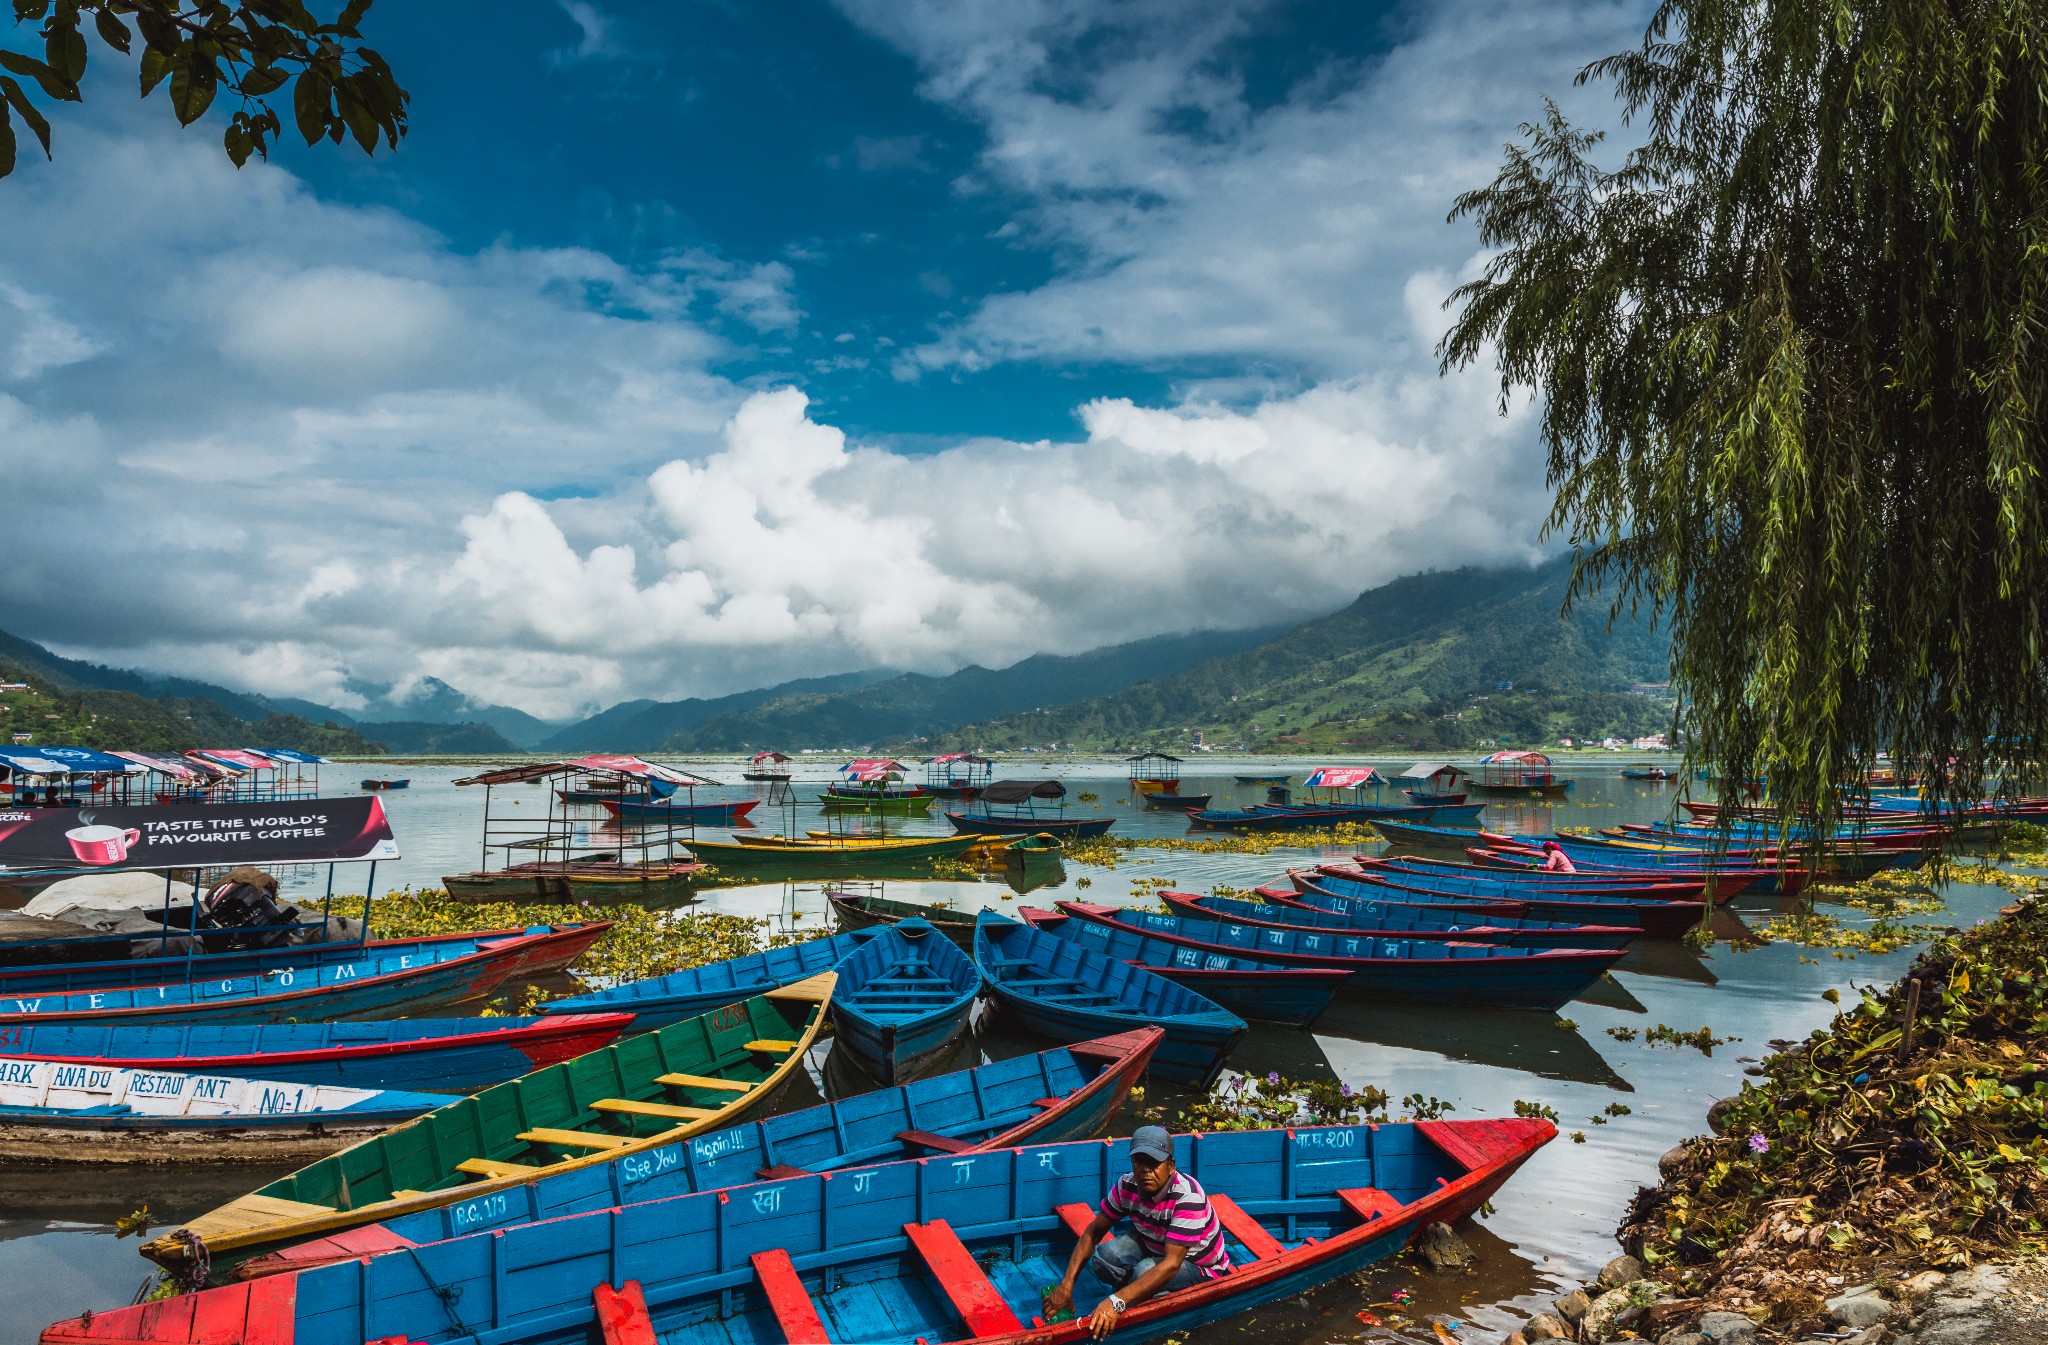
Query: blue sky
{"points": [[686, 347]]}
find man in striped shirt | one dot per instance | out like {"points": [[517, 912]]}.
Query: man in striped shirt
{"points": [[1175, 1238]]}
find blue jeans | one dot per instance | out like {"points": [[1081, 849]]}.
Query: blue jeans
{"points": [[1119, 1260]]}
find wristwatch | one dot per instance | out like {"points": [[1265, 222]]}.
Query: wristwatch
{"points": [[1117, 1302]]}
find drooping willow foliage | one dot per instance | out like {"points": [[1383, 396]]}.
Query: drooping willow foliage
{"points": [[1791, 367]]}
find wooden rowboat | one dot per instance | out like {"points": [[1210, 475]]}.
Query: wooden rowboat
{"points": [[904, 997], [1413, 922], [57, 1112], [642, 812], [870, 910], [1067, 1093], [1263, 992], [432, 1055], [661, 1000], [702, 1074], [1063, 828], [1414, 971], [769, 860], [1063, 991], [943, 1253], [591, 880], [446, 972]]}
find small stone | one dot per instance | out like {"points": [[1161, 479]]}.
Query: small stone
{"points": [[1857, 1311], [1672, 1163], [1543, 1326], [1572, 1306], [1616, 1309], [1670, 1310], [1718, 1113], [1621, 1270], [1683, 1337], [1728, 1326], [1441, 1249], [1921, 1285]]}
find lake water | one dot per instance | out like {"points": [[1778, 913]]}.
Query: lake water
{"points": [[1553, 1223]]}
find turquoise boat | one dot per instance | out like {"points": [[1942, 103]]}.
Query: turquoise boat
{"points": [[904, 997]]}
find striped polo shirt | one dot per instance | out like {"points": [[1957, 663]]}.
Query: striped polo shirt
{"points": [[1180, 1213]]}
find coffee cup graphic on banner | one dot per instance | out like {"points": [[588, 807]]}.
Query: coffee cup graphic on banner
{"points": [[100, 844]]}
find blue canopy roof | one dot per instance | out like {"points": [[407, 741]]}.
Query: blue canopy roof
{"points": [[63, 761], [289, 754]]}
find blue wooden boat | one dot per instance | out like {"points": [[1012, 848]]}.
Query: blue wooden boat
{"points": [[944, 1251], [1440, 814], [56, 1112], [530, 951], [1067, 1093], [1186, 803], [904, 997], [431, 1055], [1430, 836], [1270, 819], [1261, 779], [1065, 828], [641, 812], [1422, 798], [367, 987], [661, 1000], [1412, 922], [1263, 992], [1061, 990], [388, 784], [1658, 918], [1414, 971]]}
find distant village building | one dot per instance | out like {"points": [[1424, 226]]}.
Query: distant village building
{"points": [[1651, 688], [1653, 743]]}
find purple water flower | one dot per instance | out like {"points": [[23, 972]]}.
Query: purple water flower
{"points": [[1758, 1144], [1274, 1077], [1345, 1089]]}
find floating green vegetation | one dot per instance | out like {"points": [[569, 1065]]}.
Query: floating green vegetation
{"points": [[1701, 1039], [1107, 851], [1534, 1111], [1914, 1128], [1250, 1102], [1817, 929]]}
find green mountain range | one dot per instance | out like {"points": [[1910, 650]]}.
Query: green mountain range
{"points": [[647, 725], [911, 707], [1439, 661]]}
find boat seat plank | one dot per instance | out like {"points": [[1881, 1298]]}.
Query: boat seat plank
{"points": [[772, 1046], [1076, 1217], [574, 1139], [931, 1141], [629, 1107], [491, 1167], [1244, 1228], [778, 1171], [706, 1081], [973, 1296], [1369, 1202], [792, 1306], [622, 1315]]}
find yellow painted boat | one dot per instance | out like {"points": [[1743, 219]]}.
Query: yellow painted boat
{"points": [[697, 1075]]}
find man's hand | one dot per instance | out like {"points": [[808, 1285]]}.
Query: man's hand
{"points": [[1103, 1320], [1060, 1298]]}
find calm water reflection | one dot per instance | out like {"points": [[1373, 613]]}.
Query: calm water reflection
{"points": [[1553, 1223]]}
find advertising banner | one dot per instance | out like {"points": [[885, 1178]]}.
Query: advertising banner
{"points": [[208, 835]]}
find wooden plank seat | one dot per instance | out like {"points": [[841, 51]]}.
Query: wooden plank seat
{"points": [[1369, 1202], [772, 1046], [977, 1300], [491, 1167], [706, 1081], [1076, 1217], [1244, 1228], [775, 1172], [931, 1141], [794, 1311], [574, 1139], [622, 1315], [630, 1107]]}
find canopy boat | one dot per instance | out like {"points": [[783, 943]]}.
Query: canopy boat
{"points": [[766, 767], [1411, 922], [726, 813], [891, 1253], [957, 775], [1061, 990], [1154, 773], [388, 784], [1067, 1093], [904, 997], [1518, 775], [869, 909], [1263, 992], [661, 1000], [1659, 919], [651, 1090], [1415, 971], [1436, 783], [56, 1112], [451, 971], [1022, 817], [773, 858], [435, 1055], [599, 788], [871, 786]]}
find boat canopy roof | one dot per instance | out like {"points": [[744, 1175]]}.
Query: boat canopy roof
{"points": [[865, 767], [613, 765], [1426, 770], [293, 755], [171, 764], [869, 775], [1343, 777], [1017, 791], [239, 758], [958, 756], [1515, 759], [777, 757], [1154, 756], [65, 761]]}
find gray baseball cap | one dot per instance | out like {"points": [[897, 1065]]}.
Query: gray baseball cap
{"points": [[1152, 1142]]}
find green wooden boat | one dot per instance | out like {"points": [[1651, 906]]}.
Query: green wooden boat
{"points": [[858, 910], [769, 861], [883, 803], [701, 1074]]}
